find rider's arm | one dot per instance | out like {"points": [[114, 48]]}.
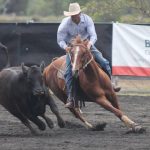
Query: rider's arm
{"points": [[91, 30], [62, 34]]}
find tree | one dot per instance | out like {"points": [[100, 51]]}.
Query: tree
{"points": [[14, 6], [118, 10]]}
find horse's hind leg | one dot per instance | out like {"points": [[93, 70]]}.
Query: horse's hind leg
{"points": [[108, 106], [113, 100]]}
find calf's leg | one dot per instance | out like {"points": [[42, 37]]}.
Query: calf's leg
{"points": [[41, 125], [48, 121], [55, 110], [14, 110]]}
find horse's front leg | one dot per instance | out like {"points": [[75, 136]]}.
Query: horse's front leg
{"points": [[126, 120], [78, 115]]}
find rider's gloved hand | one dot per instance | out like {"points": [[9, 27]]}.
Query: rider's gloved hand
{"points": [[89, 45], [67, 49]]}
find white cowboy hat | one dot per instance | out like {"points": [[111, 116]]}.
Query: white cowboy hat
{"points": [[74, 9]]}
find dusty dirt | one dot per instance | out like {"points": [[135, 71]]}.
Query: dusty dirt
{"points": [[15, 136]]}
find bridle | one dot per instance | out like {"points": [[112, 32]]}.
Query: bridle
{"points": [[76, 53]]}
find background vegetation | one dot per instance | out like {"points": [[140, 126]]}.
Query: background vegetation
{"points": [[125, 11]]}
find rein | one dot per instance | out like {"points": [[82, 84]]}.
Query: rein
{"points": [[88, 63]]}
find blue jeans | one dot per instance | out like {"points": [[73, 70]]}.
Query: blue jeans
{"points": [[68, 75], [104, 63]]}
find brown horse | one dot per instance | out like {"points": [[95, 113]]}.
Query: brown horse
{"points": [[94, 83]]}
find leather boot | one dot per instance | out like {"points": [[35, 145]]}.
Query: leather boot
{"points": [[116, 88]]}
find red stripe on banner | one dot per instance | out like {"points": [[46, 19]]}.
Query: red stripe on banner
{"points": [[131, 71]]}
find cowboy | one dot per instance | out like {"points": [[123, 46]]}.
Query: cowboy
{"points": [[77, 23]]}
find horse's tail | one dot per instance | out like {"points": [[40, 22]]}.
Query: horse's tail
{"points": [[4, 48]]}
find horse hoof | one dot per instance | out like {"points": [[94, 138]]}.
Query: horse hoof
{"points": [[137, 129], [99, 127]]}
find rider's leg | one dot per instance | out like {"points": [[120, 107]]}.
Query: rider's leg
{"points": [[104, 63], [68, 80]]}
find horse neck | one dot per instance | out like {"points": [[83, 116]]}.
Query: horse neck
{"points": [[91, 71]]}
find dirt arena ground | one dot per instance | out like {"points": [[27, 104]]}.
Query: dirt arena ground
{"points": [[15, 136]]}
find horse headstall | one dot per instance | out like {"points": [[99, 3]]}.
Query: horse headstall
{"points": [[82, 45]]}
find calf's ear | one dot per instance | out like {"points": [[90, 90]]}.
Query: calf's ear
{"points": [[42, 66], [24, 68]]}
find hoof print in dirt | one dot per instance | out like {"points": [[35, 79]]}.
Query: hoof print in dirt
{"points": [[99, 127]]}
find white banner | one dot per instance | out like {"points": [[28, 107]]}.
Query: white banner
{"points": [[131, 50]]}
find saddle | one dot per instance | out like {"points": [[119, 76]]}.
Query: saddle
{"points": [[61, 71]]}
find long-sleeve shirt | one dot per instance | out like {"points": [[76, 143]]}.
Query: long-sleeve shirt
{"points": [[68, 30]]}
